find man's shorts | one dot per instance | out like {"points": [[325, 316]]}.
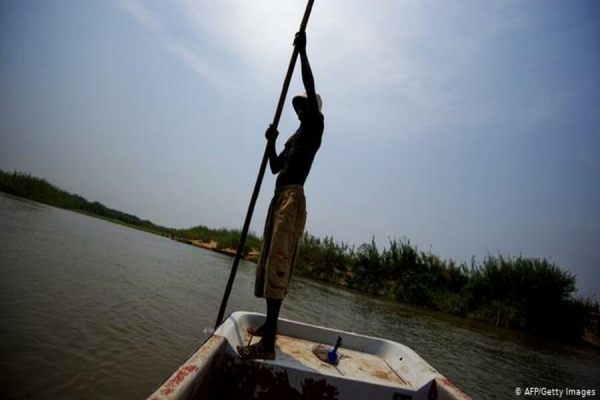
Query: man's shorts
{"points": [[281, 239]]}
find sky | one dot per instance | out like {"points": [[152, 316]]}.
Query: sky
{"points": [[468, 127]]}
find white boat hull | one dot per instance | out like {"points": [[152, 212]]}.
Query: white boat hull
{"points": [[369, 368]]}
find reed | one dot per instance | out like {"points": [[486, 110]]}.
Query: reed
{"points": [[527, 294]]}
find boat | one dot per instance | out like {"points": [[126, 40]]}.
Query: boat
{"points": [[366, 367]]}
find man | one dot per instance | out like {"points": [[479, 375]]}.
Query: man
{"points": [[287, 213]]}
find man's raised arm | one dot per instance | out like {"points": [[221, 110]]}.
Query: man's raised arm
{"points": [[307, 76]]}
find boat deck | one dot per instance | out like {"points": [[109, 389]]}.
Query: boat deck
{"points": [[355, 365], [367, 366]]}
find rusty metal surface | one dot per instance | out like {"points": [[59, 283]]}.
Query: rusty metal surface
{"points": [[449, 391], [196, 374], [241, 380]]}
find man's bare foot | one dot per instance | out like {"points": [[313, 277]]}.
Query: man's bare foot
{"points": [[260, 331], [256, 352]]}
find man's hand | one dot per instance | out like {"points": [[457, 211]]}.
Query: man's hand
{"points": [[300, 41], [271, 133]]}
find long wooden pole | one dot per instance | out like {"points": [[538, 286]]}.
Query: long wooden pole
{"points": [[261, 173]]}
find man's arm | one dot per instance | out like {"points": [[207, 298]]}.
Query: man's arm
{"points": [[307, 75], [275, 162]]}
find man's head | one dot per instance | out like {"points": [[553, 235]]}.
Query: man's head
{"points": [[300, 103]]}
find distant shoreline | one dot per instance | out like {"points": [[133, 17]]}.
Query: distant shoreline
{"points": [[213, 245]]}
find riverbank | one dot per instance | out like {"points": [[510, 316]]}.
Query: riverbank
{"points": [[252, 255], [518, 293], [344, 277]]}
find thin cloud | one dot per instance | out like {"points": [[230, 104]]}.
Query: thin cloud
{"points": [[258, 34], [140, 14], [148, 20], [194, 61]]}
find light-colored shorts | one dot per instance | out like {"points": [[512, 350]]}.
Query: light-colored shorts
{"points": [[281, 239]]}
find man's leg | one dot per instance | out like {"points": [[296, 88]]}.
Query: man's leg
{"points": [[273, 308], [288, 220], [265, 349]]}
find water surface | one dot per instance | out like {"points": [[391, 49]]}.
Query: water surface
{"points": [[95, 310]]}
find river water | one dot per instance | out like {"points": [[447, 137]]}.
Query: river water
{"points": [[94, 310]]}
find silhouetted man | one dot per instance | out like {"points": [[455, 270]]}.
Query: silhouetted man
{"points": [[284, 226]]}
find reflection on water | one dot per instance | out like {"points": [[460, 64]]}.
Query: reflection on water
{"points": [[90, 309]]}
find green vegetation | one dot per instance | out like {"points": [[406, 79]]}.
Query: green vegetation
{"points": [[519, 293], [225, 238], [31, 187], [526, 294]]}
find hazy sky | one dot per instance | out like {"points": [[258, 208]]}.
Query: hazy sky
{"points": [[466, 126]]}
